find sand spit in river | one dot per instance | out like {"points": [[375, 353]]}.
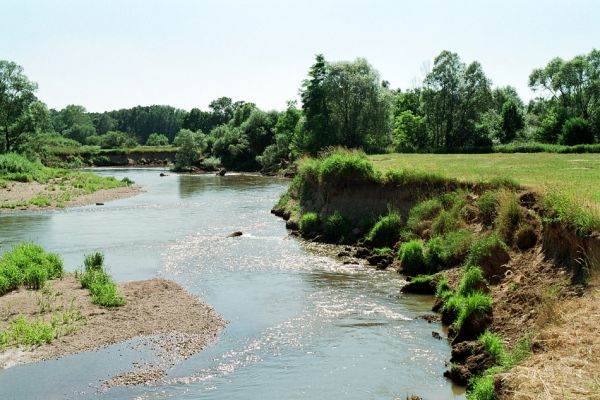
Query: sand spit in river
{"points": [[174, 321]]}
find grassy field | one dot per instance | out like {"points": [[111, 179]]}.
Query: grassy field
{"points": [[577, 175]]}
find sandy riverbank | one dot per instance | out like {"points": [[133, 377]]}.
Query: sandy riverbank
{"points": [[20, 196], [174, 322]]}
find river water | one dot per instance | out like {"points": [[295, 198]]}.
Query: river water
{"points": [[301, 325]]}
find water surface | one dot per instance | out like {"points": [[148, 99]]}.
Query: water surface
{"points": [[302, 326]]}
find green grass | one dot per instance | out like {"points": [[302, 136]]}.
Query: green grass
{"points": [[309, 223], [382, 251], [483, 247], [96, 279], [473, 304], [482, 388], [442, 287], [412, 259], [386, 231], [509, 215], [492, 343], [574, 174], [487, 205], [423, 211], [448, 250], [30, 265], [471, 281], [337, 227]]}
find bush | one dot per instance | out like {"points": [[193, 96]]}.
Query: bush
{"points": [[190, 147], [474, 304], [337, 227], [28, 263], [386, 231], [309, 223], [34, 277], [411, 257], [106, 294], [471, 281], [575, 131], [342, 165], [93, 261], [488, 204], [509, 215], [423, 211], [157, 139]]}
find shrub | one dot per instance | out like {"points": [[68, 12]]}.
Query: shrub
{"points": [[93, 261], [509, 215], [28, 263], [487, 204], [575, 131], [336, 226], [471, 281], [423, 211], [342, 165], [157, 139], [483, 248], [309, 223], [106, 294], [386, 231], [34, 277], [411, 257], [474, 304]]}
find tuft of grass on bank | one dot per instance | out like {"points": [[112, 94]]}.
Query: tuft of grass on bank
{"points": [[96, 279], [29, 265]]}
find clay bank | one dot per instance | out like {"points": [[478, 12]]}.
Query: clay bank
{"points": [[501, 261]]}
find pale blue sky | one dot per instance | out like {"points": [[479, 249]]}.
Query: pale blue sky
{"points": [[107, 54]]}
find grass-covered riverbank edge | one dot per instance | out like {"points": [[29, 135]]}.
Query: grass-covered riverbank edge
{"points": [[27, 185], [46, 313], [504, 263]]}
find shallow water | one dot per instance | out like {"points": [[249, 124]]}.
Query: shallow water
{"points": [[302, 326]]}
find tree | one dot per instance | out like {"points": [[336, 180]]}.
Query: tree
{"points": [[116, 140], [190, 145], [279, 154], [345, 103], [512, 121], [157, 139], [410, 133], [74, 122], [454, 99], [16, 96]]}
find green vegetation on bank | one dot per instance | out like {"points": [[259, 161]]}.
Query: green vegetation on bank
{"points": [[96, 279], [29, 265]]}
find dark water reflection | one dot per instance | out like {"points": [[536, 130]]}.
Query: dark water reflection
{"points": [[301, 325]]}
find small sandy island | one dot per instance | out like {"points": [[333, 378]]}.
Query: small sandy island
{"points": [[21, 196], [175, 322]]}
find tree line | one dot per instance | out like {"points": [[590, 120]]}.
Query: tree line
{"points": [[342, 104]]}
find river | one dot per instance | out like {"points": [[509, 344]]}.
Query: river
{"points": [[301, 325]]}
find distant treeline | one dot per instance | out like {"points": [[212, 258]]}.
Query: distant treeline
{"points": [[455, 108]]}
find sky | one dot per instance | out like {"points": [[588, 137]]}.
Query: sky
{"points": [[111, 54]]}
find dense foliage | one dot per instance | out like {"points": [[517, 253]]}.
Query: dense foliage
{"points": [[454, 109]]}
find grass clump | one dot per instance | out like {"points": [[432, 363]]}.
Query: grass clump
{"points": [[339, 165], [509, 216], [96, 279], [412, 259], [492, 343], [337, 227], [447, 221], [309, 223], [471, 281], [474, 304], [567, 211], [448, 250], [487, 204], [423, 211], [482, 388], [386, 231], [484, 247], [28, 264], [382, 251], [442, 287]]}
